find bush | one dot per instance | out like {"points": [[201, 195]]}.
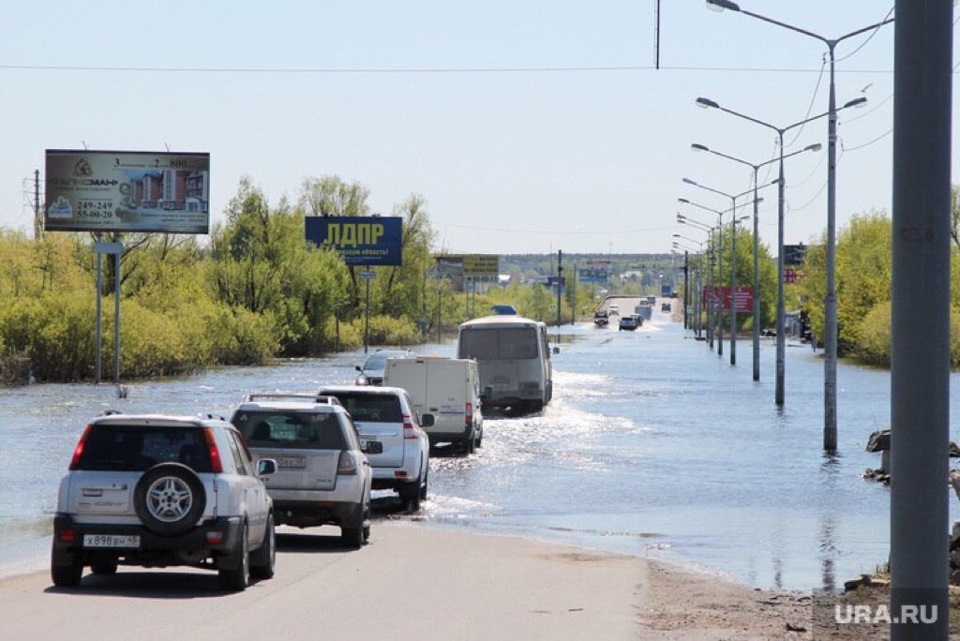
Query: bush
{"points": [[55, 331], [873, 344], [240, 337], [385, 330], [875, 332]]}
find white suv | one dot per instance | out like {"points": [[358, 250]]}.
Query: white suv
{"points": [[385, 415], [323, 475], [154, 490]]}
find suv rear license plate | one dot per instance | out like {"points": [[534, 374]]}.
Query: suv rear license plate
{"points": [[111, 541], [292, 462]]}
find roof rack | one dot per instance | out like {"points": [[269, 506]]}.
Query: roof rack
{"points": [[313, 398]]}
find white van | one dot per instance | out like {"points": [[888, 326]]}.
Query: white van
{"points": [[513, 356], [447, 388]]}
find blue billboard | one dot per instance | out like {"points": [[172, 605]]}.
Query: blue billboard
{"points": [[360, 240]]}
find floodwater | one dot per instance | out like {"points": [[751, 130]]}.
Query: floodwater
{"points": [[653, 445]]}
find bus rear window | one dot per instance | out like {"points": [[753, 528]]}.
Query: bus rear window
{"points": [[498, 343]]}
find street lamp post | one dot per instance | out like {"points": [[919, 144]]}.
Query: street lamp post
{"points": [[756, 240], [706, 263], [830, 300], [781, 345], [715, 308], [733, 262]]}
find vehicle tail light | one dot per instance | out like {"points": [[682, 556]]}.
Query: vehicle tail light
{"points": [[216, 465], [67, 535], [215, 537], [469, 415], [408, 430], [347, 466], [78, 450]]}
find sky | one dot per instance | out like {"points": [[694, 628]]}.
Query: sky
{"points": [[528, 126]]}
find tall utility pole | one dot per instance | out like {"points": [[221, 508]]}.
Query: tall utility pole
{"points": [[37, 212], [559, 285], [920, 351]]}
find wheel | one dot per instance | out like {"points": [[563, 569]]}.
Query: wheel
{"points": [[65, 568], [410, 497], [366, 522], [469, 445], [351, 535], [479, 442], [104, 568], [262, 560], [423, 488], [236, 579], [169, 499]]}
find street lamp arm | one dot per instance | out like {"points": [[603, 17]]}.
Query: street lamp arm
{"points": [[825, 41]]}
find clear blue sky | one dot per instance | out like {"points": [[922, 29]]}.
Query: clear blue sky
{"points": [[528, 126]]}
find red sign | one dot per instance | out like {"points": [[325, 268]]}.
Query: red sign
{"points": [[792, 275], [744, 298]]}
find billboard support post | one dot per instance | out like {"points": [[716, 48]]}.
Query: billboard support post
{"points": [[116, 315], [99, 323]]}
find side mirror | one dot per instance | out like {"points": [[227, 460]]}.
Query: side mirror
{"points": [[372, 447], [266, 467], [359, 368], [427, 420]]}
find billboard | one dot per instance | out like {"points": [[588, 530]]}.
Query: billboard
{"points": [[482, 267], [127, 191], [477, 268], [360, 240], [595, 271], [722, 296]]}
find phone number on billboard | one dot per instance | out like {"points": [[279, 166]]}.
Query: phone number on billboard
{"points": [[95, 209]]}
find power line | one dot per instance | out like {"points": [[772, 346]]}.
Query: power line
{"points": [[415, 70]]}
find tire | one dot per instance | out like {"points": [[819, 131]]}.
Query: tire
{"points": [[423, 488], [470, 444], [351, 535], [479, 442], [65, 568], [263, 560], [410, 497], [366, 522], [236, 579], [105, 568], [169, 499]]}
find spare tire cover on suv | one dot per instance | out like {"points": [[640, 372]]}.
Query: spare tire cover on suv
{"points": [[169, 499]]}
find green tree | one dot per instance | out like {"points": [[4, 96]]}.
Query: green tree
{"points": [[261, 262], [863, 277]]}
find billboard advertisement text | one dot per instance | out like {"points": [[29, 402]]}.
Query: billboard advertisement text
{"points": [[360, 240], [127, 191]]}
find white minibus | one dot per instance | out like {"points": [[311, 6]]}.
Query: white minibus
{"points": [[513, 356]]}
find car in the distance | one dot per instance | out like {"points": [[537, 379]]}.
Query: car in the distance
{"points": [[371, 371], [156, 490], [386, 415], [614, 310], [628, 323], [323, 476]]}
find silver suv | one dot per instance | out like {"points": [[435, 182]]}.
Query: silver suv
{"points": [[154, 490], [385, 415], [323, 476]]}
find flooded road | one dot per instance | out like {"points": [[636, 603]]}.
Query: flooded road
{"points": [[653, 445]]}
